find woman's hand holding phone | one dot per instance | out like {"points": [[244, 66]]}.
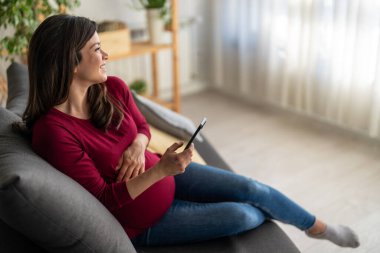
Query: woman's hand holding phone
{"points": [[173, 163]]}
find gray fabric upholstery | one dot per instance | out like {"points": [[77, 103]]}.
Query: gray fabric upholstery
{"points": [[13, 241], [268, 238], [209, 154], [162, 118], [46, 206], [18, 87]]}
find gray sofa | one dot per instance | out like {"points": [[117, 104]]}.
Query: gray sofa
{"points": [[42, 210]]}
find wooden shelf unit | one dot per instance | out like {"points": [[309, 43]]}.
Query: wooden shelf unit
{"points": [[138, 49]]}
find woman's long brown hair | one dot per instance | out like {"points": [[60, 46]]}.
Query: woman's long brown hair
{"points": [[54, 52]]}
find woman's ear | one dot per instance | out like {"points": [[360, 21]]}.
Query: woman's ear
{"points": [[75, 70]]}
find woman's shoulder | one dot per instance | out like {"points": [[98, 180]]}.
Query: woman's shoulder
{"points": [[53, 123], [117, 87], [54, 131], [115, 83], [50, 118]]}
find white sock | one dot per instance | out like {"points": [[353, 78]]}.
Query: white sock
{"points": [[338, 234]]}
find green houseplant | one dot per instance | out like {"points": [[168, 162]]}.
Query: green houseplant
{"points": [[153, 4], [139, 86], [162, 5], [158, 15], [23, 17]]}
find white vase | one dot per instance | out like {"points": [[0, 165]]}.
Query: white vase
{"points": [[156, 26]]}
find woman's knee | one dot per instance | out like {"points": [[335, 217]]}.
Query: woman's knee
{"points": [[243, 217], [253, 189]]}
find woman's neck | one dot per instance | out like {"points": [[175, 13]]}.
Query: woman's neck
{"points": [[76, 105]]}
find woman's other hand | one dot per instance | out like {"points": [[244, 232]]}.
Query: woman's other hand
{"points": [[132, 162], [173, 163]]}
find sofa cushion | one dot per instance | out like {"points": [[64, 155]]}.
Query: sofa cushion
{"points": [[160, 141], [268, 238], [48, 207], [18, 87], [162, 118]]}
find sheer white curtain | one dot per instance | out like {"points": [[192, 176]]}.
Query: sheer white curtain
{"points": [[317, 57]]}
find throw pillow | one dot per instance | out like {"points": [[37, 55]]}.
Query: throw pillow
{"points": [[165, 119]]}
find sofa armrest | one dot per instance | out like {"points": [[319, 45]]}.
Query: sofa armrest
{"points": [[164, 119], [210, 154]]}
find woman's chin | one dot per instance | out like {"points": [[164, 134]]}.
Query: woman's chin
{"points": [[103, 78]]}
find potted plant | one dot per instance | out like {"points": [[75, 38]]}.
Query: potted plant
{"points": [[139, 86], [157, 14], [153, 4], [23, 17]]}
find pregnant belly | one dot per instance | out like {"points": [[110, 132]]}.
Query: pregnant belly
{"points": [[149, 207]]}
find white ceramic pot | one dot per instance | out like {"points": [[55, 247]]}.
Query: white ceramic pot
{"points": [[156, 26]]}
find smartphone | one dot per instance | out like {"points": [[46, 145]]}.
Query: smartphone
{"points": [[196, 132]]}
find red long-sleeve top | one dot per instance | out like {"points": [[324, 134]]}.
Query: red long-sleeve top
{"points": [[89, 155]]}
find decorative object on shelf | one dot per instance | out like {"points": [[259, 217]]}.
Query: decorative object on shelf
{"points": [[24, 17], [115, 37], [144, 48], [139, 35], [156, 26], [157, 12], [139, 86]]}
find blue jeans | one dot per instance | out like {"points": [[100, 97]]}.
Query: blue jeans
{"points": [[211, 203]]}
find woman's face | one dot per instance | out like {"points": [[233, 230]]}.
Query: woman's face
{"points": [[92, 67]]}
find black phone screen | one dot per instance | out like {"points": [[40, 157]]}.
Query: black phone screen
{"points": [[196, 132]]}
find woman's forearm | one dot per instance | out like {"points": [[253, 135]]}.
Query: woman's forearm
{"points": [[170, 164], [139, 184]]}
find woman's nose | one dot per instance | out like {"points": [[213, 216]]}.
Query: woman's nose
{"points": [[104, 54]]}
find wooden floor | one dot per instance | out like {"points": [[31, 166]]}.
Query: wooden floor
{"points": [[333, 174]]}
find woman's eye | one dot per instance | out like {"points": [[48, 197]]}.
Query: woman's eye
{"points": [[97, 49]]}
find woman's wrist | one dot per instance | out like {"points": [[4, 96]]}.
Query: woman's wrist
{"points": [[158, 171], [141, 141]]}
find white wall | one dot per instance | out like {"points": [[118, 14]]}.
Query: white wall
{"points": [[193, 43]]}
